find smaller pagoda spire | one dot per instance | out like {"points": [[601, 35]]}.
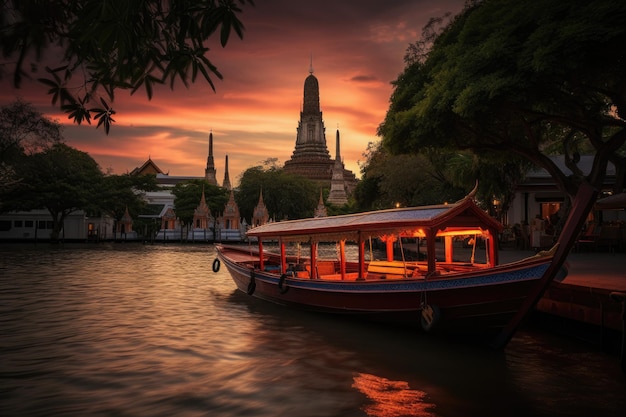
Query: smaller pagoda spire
{"points": [[260, 215], [226, 183], [209, 172], [320, 210], [337, 147]]}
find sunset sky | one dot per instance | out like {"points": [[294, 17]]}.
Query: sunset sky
{"points": [[357, 49]]}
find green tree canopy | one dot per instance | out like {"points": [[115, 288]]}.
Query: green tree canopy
{"points": [[121, 192], [519, 77], [187, 198], [23, 131], [403, 180], [102, 46], [286, 196], [60, 179]]}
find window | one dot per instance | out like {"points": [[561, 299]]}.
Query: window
{"points": [[5, 225], [18, 223], [43, 224], [28, 223]]}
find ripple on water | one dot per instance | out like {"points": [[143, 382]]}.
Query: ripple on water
{"points": [[134, 330]]}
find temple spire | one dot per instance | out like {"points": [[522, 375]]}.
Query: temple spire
{"points": [[226, 183], [337, 147], [209, 172], [311, 65]]}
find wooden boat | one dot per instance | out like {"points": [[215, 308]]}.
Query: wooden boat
{"points": [[432, 269]]}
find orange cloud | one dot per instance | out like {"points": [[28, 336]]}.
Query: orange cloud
{"points": [[357, 51]]}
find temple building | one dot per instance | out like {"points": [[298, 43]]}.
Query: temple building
{"points": [[260, 215], [310, 157], [230, 226], [124, 227], [338, 195], [203, 222]]}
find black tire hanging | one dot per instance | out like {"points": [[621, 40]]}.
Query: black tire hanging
{"points": [[252, 284], [281, 284], [216, 265]]}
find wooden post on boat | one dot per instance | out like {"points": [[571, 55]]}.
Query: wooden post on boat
{"points": [[431, 250], [313, 260], [492, 250], [342, 258], [389, 247], [449, 249], [361, 257], [283, 257], [261, 261]]}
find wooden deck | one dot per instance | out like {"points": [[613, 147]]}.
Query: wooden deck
{"points": [[584, 296]]}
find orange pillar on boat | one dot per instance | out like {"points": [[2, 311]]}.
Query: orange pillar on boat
{"points": [[361, 257], [390, 240], [431, 250], [283, 258], [342, 258], [493, 249], [261, 262], [449, 249], [313, 260]]}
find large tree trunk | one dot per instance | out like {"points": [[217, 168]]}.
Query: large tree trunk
{"points": [[581, 207], [57, 226]]}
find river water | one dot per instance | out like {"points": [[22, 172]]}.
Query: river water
{"points": [[150, 330]]}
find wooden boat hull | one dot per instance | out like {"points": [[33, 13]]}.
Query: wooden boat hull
{"points": [[473, 303]]}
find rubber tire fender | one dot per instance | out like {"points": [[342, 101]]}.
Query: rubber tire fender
{"points": [[252, 284], [281, 284], [216, 265]]}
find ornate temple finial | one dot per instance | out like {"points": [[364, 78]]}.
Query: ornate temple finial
{"points": [[311, 65]]}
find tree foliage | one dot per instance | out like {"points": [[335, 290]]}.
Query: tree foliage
{"points": [[286, 196], [522, 77], [403, 180], [23, 131], [103, 46], [60, 179], [122, 192], [187, 198], [519, 77]]}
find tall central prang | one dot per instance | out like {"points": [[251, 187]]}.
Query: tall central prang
{"points": [[310, 157]]}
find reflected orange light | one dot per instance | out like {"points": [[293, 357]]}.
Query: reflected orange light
{"points": [[462, 232], [392, 398], [418, 233]]}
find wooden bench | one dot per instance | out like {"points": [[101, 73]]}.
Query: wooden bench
{"points": [[350, 276], [396, 269]]}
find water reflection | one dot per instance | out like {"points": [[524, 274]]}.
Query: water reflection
{"points": [[150, 330], [392, 398]]}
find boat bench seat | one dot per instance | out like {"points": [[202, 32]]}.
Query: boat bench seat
{"points": [[398, 268], [350, 276]]}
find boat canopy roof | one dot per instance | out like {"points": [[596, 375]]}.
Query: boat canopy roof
{"points": [[461, 218]]}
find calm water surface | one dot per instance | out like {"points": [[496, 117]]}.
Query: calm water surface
{"points": [[134, 330]]}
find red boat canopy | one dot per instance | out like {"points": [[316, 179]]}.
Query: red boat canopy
{"points": [[463, 217]]}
